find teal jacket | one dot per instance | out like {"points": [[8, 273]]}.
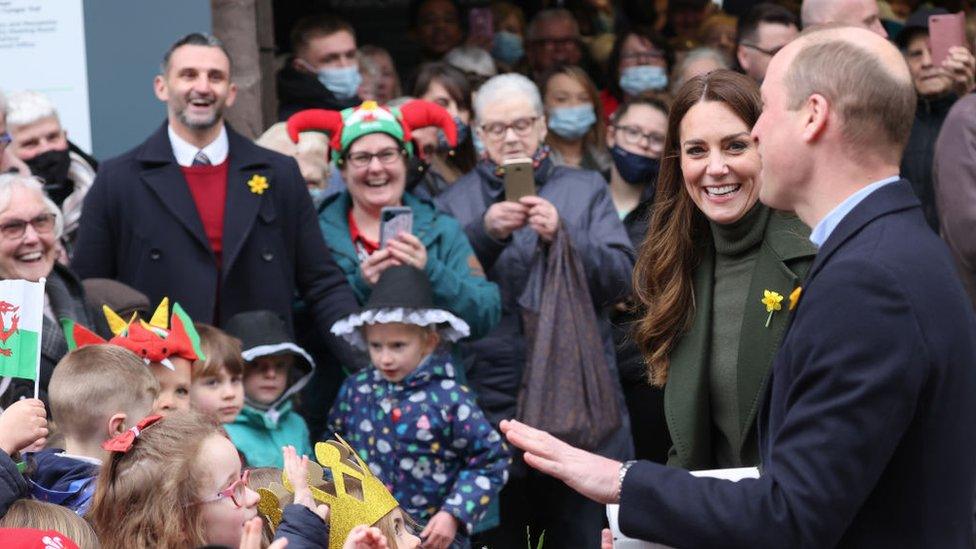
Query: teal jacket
{"points": [[456, 276], [259, 435]]}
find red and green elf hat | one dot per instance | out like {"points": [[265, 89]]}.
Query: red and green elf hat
{"points": [[153, 341], [350, 124]]}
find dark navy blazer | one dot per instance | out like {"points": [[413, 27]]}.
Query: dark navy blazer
{"points": [[140, 226], [866, 437]]}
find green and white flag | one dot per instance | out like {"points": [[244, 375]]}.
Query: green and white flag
{"points": [[21, 317]]}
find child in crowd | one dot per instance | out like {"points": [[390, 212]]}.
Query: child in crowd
{"points": [[218, 381], [275, 370], [419, 430], [29, 513], [95, 393], [172, 482], [22, 424], [169, 345], [359, 509]]}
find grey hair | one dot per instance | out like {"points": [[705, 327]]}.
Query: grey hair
{"points": [[472, 59], [547, 15], [10, 180], [27, 107], [194, 39], [3, 105], [505, 86], [703, 52]]}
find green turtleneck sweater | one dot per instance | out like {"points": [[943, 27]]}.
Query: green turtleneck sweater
{"points": [[736, 249]]}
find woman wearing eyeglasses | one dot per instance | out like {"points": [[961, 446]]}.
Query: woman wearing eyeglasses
{"points": [[640, 63], [636, 140], [372, 153], [507, 235], [30, 229]]}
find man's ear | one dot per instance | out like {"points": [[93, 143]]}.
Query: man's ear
{"points": [[117, 424], [742, 57], [159, 87], [815, 117], [231, 94]]}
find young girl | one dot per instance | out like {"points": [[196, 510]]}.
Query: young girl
{"points": [[172, 482], [419, 430], [218, 387]]}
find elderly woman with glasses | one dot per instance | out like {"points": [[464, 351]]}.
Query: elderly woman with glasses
{"points": [[30, 229], [371, 145], [507, 235]]}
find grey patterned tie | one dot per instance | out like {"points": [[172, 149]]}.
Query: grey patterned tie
{"points": [[201, 159]]}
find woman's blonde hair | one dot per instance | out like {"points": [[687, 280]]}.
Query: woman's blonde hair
{"points": [[30, 513], [146, 497]]}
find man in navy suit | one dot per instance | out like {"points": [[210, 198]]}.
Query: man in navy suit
{"points": [[866, 434], [199, 213]]}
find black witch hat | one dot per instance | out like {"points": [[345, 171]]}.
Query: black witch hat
{"points": [[402, 294]]}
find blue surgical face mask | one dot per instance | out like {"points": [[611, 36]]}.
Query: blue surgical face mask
{"points": [[342, 82], [507, 47], [572, 122], [637, 80], [462, 135], [635, 169], [479, 147]]}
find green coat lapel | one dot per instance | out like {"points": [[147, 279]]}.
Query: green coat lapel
{"points": [[784, 257], [686, 402]]}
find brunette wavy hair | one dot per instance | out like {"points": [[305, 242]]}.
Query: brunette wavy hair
{"points": [[145, 497], [678, 230]]}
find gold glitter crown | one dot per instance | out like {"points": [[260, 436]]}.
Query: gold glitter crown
{"points": [[354, 496]]}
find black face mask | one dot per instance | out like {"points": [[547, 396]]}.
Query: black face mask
{"points": [[635, 169], [52, 166]]}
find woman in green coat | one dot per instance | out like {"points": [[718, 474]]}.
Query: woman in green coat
{"points": [[717, 273]]}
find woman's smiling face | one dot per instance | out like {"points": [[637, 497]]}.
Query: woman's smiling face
{"points": [[719, 161]]}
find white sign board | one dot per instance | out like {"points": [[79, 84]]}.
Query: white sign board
{"points": [[42, 48]]}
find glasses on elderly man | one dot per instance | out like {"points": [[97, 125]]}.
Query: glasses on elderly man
{"points": [[237, 492], [522, 126], [362, 159], [5, 139], [43, 223]]}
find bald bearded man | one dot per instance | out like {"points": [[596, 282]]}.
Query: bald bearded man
{"points": [[866, 433]]}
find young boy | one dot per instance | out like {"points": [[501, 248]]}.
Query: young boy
{"points": [[422, 433], [275, 369], [218, 381], [168, 345], [96, 392]]}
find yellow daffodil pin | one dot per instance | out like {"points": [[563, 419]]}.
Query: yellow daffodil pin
{"points": [[258, 184], [773, 302], [795, 297]]}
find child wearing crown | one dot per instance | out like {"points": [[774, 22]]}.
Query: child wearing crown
{"points": [[417, 428]]}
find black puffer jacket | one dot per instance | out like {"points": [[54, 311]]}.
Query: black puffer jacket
{"points": [[599, 238]]}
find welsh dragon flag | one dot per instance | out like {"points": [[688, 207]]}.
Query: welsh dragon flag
{"points": [[21, 315]]}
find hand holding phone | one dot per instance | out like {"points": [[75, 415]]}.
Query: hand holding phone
{"points": [[946, 31], [519, 178]]}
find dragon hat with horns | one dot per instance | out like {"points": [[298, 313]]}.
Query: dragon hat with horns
{"points": [[164, 336], [348, 125]]}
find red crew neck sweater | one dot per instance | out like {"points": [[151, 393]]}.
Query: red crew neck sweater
{"points": [[208, 186]]}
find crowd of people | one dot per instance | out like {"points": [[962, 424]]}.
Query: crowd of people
{"points": [[746, 242]]}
